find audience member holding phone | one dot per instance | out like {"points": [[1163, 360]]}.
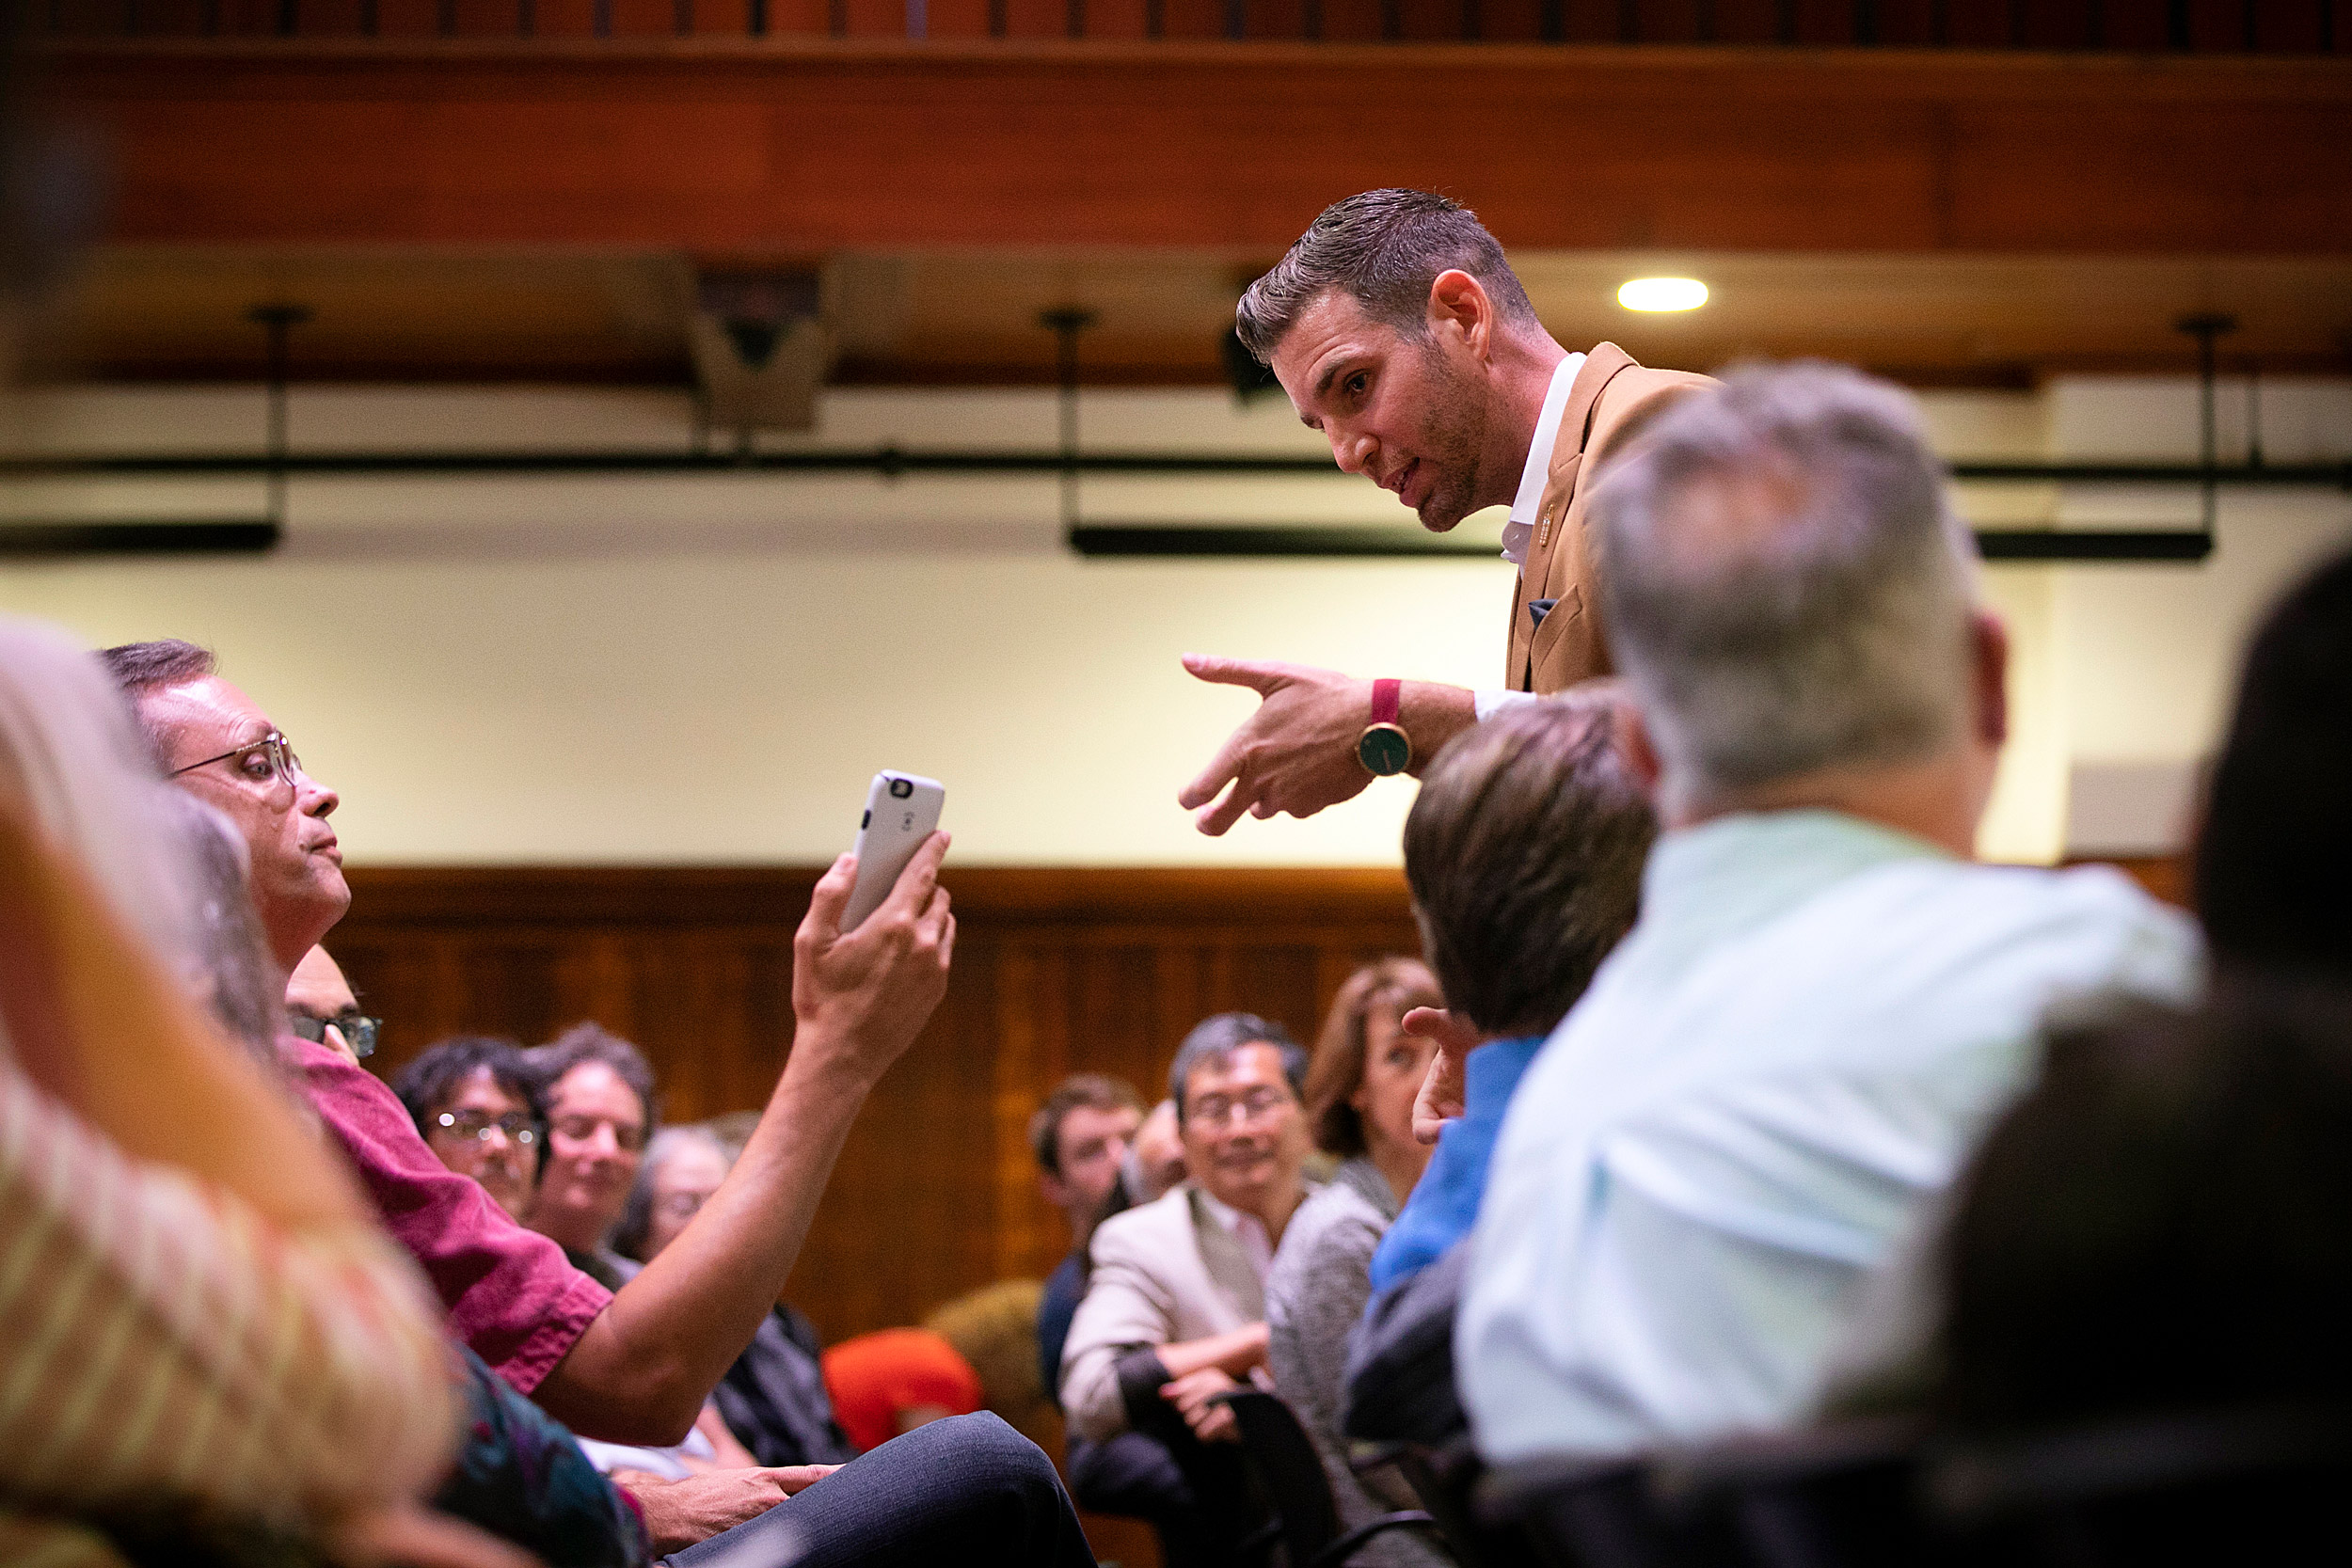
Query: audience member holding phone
{"points": [[636, 1365]]}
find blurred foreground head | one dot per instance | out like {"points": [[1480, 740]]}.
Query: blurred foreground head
{"points": [[72, 765], [2159, 1226], [2274, 862]]}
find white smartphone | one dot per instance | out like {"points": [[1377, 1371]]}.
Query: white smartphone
{"points": [[901, 811]]}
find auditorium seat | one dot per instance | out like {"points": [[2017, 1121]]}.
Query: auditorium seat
{"points": [[2196, 1488], [1306, 1519]]}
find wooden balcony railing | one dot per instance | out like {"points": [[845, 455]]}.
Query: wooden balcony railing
{"points": [[2135, 26]]}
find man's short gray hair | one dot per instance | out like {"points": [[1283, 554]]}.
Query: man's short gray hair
{"points": [[1783, 582], [1214, 1039], [1382, 249]]}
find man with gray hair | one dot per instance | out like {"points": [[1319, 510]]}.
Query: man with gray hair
{"points": [[1400, 332], [1822, 1001]]}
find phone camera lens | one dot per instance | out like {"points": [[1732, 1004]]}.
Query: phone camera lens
{"points": [[901, 788]]}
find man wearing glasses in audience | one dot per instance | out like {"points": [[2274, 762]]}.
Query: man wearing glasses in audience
{"points": [[634, 1366], [474, 1101], [215, 742], [1174, 1313], [321, 1006]]}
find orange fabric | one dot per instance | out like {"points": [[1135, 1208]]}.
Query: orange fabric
{"points": [[875, 1376]]}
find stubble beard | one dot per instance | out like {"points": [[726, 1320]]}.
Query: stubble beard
{"points": [[1452, 440]]}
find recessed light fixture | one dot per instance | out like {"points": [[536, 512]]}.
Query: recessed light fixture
{"points": [[1662, 293]]}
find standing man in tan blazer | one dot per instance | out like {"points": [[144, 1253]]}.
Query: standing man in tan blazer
{"points": [[1400, 331]]}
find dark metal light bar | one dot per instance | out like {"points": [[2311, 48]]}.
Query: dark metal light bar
{"points": [[1202, 541], [1135, 541], [213, 536], [2085, 544], [891, 461]]}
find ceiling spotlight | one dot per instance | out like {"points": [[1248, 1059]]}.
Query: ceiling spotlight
{"points": [[1662, 293]]}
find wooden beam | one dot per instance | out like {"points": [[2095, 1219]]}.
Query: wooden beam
{"points": [[765, 148]]}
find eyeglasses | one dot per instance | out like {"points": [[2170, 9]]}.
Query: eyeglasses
{"points": [[358, 1028], [515, 1126], [257, 761], [1249, 1110]]}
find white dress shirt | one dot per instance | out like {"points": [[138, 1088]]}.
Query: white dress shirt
{"points": [[1788, 1058], [1248, 1230], [1530, 499]]}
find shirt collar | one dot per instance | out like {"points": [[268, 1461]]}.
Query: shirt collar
{"points": [[1537, 473], [1732, 873]]}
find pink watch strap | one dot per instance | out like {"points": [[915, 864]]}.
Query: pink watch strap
{"points": [[1388, 701]]}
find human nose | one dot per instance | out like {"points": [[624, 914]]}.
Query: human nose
{"points": [[1351, 450], [314, 798]]}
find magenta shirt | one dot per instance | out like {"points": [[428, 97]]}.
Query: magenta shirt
{"points": [[511, 1294]]}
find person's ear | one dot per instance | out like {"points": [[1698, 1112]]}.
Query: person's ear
{"points": [[1458, 304], [1988, 646], [1633, 744], [1056, 1191]]}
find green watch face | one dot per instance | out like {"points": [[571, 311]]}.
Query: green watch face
{"points": [[1384, 750]]}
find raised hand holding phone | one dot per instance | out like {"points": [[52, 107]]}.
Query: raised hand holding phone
{"points": [[859, 998]]}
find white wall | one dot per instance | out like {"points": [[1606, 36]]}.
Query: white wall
{"points": [[709, 670]]}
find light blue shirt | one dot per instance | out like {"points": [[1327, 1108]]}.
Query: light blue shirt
{"points": [[1444, 1203], [1794, 1049]]}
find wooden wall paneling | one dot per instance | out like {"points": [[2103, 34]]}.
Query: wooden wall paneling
{"points": [[1033, 1048], [797, 18], [1275, 19], [2165, 876], [725, 19], [935, 1192], [960, 19], [872, 19], [1352, 21], [1118, 20], [1508, 21], [1192, 19]]}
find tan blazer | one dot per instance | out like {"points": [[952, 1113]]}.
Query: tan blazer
{"points": [[1609, 400], [1163, 1274]]}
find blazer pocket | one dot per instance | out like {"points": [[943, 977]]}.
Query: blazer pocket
{"points": [[1561, 653]]}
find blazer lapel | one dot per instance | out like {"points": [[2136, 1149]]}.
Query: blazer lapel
{"points": [[1551, 520]]}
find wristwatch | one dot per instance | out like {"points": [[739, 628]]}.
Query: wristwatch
{"points": [[1383, 747]]}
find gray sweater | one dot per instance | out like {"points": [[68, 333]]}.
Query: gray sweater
{"points": [[1321, 1278]]}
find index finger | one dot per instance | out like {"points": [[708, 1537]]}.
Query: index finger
{"points": [[1439, 1024], [832, 896], [1257, 674]]}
